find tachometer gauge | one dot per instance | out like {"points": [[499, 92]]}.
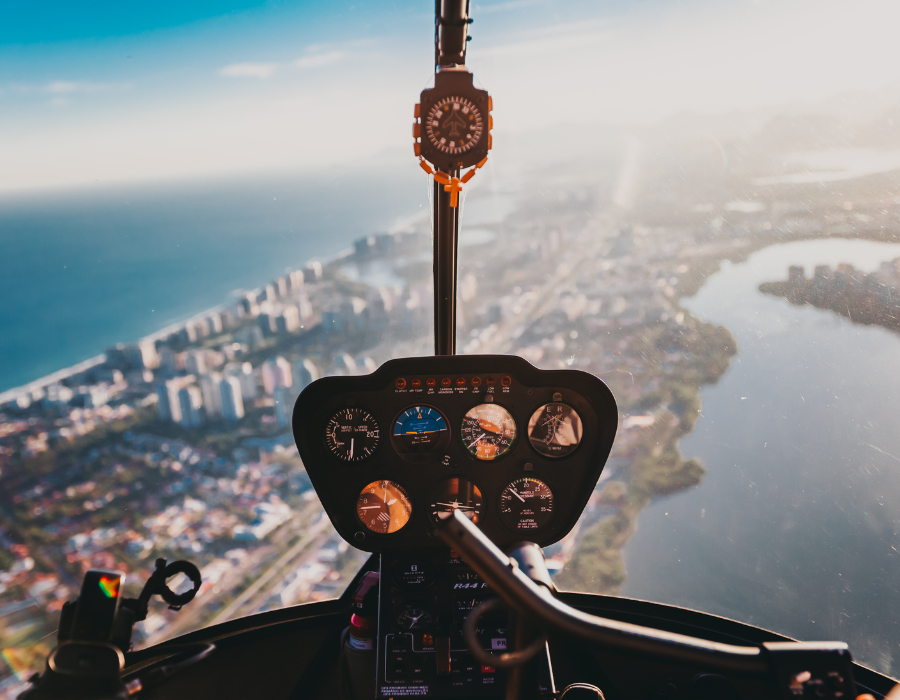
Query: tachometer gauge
{"points": [[420, 434], [352, 435], [383, 507], [456, 494], [526, 504], [415, 616], [488, 431], [555, 430]]}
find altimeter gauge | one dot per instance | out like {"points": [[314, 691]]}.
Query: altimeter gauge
{"points": [[352, 435], [555, 430], [456, 494], [526, 504], [488, 431], [383, 507]]}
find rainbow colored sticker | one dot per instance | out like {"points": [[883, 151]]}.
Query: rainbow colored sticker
{"points": [[110, 586]]}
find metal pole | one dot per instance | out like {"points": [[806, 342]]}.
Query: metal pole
{"points": [[446, 239], [451, 32]]}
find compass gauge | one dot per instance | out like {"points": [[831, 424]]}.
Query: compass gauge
{"points": [[555, 430], [454, 125], [383, 507]]}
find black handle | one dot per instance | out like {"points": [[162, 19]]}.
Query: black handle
{"points": [[503, 575]]}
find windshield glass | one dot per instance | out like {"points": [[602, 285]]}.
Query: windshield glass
{"points": [[204, 208]]}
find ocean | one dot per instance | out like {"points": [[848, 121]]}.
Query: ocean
{"points": [[83, 269]]}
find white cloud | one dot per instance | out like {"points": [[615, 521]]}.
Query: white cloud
{"points": [[320, 59], [248, 70]]}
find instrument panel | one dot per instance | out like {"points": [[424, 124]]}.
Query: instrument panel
{"points": [[516, 449]]}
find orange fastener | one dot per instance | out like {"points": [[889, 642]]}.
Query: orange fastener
{"points": [[481, 163], [490, 104], [490, 141], [454, 187], [416, 110], [426, 167], [490, 122], [442, 178], [416, 130], [417, 148], [468, 176]]}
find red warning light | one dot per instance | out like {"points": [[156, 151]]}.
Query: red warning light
{"points": [[490, 381], [460, 381], [401, 383], [446, 381], [476, 381], [415, 383], [430, 382], [506, 381]]}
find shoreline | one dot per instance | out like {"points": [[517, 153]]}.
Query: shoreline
{"points": [[13, 393]]}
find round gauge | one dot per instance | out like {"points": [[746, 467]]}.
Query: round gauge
{"points": [[454, 125], [456, 494], [352, 435], [526, 504], [415, 616], [414, 574], [555, 430], [488, 431], [383, 507], [420, 434]]}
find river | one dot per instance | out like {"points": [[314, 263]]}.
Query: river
{"points": [[795, 526]]}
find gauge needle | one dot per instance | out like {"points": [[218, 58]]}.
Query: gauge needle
{"points": [[517, 495], [368, 507], [351, 448], [456, 506], [476, 440]]}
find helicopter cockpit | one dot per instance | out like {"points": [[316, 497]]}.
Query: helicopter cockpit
{"points": [[454, 486]]}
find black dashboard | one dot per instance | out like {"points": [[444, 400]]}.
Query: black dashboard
{"points": [[517, 449]]}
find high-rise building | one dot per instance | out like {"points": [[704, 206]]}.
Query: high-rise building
{"points": [[276, 372], [132, 356], [288, 320], [195, 362], [230, 396], [190, 401], [248, 381], [168, 405], [304, 373], [284, 404], [212, 399], [295, 280]]}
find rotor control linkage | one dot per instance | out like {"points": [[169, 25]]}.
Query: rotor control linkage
{"points": [[822, 668]]}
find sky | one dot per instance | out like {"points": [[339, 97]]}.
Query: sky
{"points": [[105, 92]]}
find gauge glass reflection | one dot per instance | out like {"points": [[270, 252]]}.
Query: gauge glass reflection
{"points": [[420, 434], [488, 431], [555, 430], [383, 507], [457, 494]]}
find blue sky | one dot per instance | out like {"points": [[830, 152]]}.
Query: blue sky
{"points": [[103, 91]]}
